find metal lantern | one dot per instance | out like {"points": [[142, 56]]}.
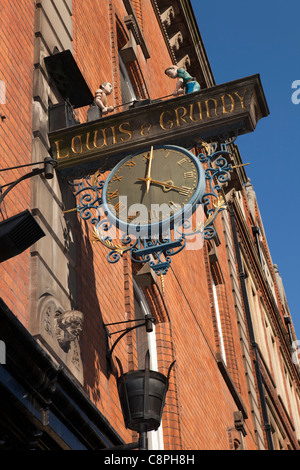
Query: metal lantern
{"points": [[142, 396], [17, 234]]}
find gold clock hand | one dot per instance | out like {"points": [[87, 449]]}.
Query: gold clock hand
{"points": [[167, 184], [148, 178]]}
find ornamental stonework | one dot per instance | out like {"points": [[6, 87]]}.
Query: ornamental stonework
{"points": [[59, 332]]}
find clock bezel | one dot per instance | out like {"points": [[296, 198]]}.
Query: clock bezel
{"points": [[154, 227]]}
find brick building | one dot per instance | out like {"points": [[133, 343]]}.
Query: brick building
{"points": [[220, 311]]}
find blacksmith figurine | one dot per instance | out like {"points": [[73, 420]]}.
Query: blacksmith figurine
{"points": [[185, 82]]}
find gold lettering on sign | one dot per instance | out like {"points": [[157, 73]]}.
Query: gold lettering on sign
{"points": [[114, 134], [181, 117], [241, 98], [213, 100], [171, 119], [226, 111], [58, 150], [77, 143], [125, 131], [192, 112], [145, 129], [96, 139], [168, 123], [88, 142]]}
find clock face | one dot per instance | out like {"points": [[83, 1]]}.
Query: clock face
{"points": [[153, 188]]}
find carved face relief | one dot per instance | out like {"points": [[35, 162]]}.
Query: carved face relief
{"points": [[70, 323], [59, 332]]}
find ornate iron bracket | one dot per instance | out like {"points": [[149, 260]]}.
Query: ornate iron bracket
{"points": [[157, 251], [147, 321], [49, 165]]}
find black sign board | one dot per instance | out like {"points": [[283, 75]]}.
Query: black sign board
{"points": [[220, 112]]}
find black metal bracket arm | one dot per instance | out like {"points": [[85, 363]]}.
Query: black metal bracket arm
{"points": [[141, 444], [147, 321], [48, 170]]}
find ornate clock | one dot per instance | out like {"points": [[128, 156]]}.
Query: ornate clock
{"points": [[146, 196], [148, 191]]}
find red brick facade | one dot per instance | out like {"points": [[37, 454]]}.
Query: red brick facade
{"points": [[16, 137]]}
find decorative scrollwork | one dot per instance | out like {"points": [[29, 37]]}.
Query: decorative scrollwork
{"points": [[157, 251], [117, 249], [217, 173], [218, 167], [89, 193]]}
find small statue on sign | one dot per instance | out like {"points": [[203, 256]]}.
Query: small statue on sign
{"points": [[185, 82], [101, 97]]}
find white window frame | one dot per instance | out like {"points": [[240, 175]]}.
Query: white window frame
{"points": [[124, 73], [155, 438], [218, 318]]}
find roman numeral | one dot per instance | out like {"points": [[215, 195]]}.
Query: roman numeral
{"points": [[130, 164], [153, 214], [183, 160], [188, 174], [113, 194], [174, 205], [117, 178], [130, 218], [119, 207], [185, 190]]}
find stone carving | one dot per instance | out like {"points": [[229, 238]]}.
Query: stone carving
{"points": [[47, 321], [59, 332], [167, 16], [176, 40], [68, 327], [251, 198], [184, 62]]}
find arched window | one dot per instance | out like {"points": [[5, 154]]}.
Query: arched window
{"points": [[127, 90], [236, 444], [218, 320], [146, 341], [132, 84], [223, 316]]}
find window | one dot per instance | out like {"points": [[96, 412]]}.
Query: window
{"points": [[127, 90], [222, 322], [218, 319], [237, 444], [146, 341], [277, 437], [259, 317]]}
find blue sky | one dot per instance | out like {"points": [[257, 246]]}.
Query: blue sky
{"points": [[263, 37]]}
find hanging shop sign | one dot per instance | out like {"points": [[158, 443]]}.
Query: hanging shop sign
{"points": [[216, 113], [156, 202], [158, 198]]}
